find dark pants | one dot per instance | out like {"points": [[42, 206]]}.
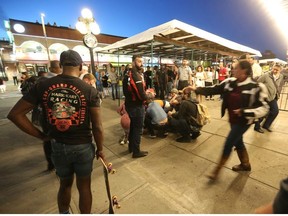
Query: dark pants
{"points": [[235, 138], [152, 127], [181, 126], [162, 88], [209, 84], [156, 87], [273, 113], [15, 80], [47, 147], [114, 90], [148, 84], [136, 114], [169, 88], [182, 84]]}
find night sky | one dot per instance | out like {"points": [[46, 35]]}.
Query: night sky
{"points": [[242, 21]]}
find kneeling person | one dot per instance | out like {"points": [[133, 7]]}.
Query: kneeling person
{"points": [[182, 120], [155, 118]]}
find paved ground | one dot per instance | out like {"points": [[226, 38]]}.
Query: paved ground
{"points": [[171, 180]]}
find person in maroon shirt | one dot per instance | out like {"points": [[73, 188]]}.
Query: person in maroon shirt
{"points": [[245, 101]]}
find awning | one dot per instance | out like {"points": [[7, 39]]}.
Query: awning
{"points": [[275, 60], [176, 39]]}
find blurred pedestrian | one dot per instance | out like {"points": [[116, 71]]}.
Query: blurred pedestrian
{"points": [[125, 123], [85, 70], [105, 84], [54, 69], [274, 81], [245, 101], [90, 79], [155, 80], [113, 77], [15, 78], [222, 75], [2, 85], [209, 80], [148, 77], [200, 78]]}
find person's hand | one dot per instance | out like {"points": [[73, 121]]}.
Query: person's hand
{"points": [[266, 209], [46, 138], [169, 113], [100, 154], [238, 112]]}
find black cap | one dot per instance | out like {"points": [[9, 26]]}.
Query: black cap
{"points": [[70, 58]]}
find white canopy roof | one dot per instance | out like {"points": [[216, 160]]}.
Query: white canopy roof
{"points": [[178, 38], [275, 60]]}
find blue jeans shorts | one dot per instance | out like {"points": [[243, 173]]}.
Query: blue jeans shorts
{"points": [[70, 159]]}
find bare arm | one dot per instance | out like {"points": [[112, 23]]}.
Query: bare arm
{"points": [[176, 70], [97, 130], [190, 79], [18, 116], [265, 209]]}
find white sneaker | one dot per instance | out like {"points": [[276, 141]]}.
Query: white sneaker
{"points": [[122, 142]]}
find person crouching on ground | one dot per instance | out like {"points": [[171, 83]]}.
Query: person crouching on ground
{"points": [[245, 101], [182, 120], [155, 118]]}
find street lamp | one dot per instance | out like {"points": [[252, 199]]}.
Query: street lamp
{"points": [[87, 26], [45, 35]]}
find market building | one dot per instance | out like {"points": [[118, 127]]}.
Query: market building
{"points": [[26, 49]]}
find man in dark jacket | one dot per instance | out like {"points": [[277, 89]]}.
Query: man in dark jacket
{"points": [[134, 91], [182, 121]]}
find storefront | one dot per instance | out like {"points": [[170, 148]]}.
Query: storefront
{"points": [[28, 47]]}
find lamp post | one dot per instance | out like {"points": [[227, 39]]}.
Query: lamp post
{"points": [[45, 35], [87, 26]]}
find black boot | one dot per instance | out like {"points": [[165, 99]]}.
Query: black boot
{"points": [[139, 154], [184, 139]]}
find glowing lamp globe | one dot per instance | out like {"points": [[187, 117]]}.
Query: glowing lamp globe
{"points": [[94, 27], [86, 13]]}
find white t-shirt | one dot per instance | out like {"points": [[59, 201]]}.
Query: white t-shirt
{"points": [[200, 82], [209, 75], [257, 70]]}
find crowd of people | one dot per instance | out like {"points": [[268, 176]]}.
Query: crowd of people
{"points": [[158, 101]]}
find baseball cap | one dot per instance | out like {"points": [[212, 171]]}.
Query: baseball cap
{"points": [[174, 90], [70, 58]]}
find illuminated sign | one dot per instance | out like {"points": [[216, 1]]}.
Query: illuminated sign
{"points": [[19, 28]]}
